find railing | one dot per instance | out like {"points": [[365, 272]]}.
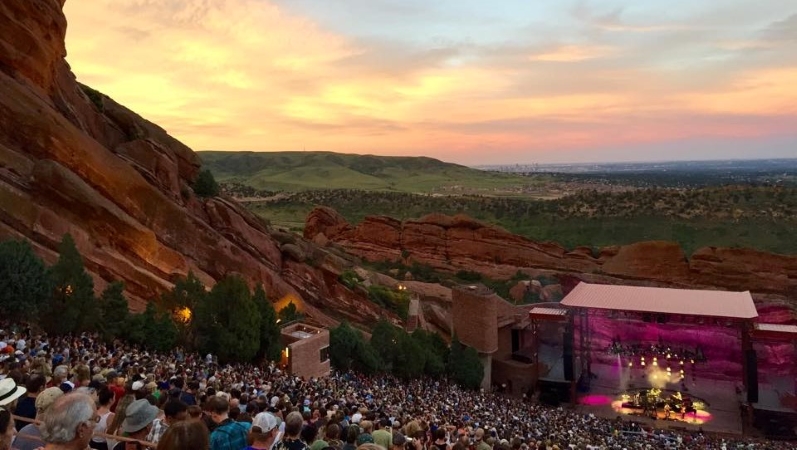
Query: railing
{"points": [[100, 435]]}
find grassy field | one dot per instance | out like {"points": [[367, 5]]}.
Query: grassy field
{"points": [[737, 210], [297, 171], [763, 221]]}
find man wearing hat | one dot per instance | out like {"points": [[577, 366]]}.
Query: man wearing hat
{"points": [[30, 437], [10, 392], [137, 424], [264, 431]]}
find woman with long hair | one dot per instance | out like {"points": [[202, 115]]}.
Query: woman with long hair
{"points": [[120, 415], [185, 435], [7, 429]]}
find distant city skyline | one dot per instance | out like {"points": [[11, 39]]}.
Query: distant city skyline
{"points": [[466, 81]]}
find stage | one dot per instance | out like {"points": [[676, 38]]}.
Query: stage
{"points": [[613, 392]]}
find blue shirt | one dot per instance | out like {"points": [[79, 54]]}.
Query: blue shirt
{"points": [[230, 435]]}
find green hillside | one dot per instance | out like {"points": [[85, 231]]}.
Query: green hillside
{"points": [[299, 171]]}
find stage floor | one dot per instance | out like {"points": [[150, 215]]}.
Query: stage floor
{"points": [[721, 414]]}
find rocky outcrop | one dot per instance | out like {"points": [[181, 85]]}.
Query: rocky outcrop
{"points": [[74, 161], [454, 243]]}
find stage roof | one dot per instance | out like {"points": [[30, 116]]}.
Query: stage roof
{"points": [[775, 330], [690, 302]]}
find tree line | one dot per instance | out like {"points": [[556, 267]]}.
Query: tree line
{"points": [[406, 355], [228, 320]]}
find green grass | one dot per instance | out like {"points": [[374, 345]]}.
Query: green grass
{"points": [[546, 221], [297, 171]]}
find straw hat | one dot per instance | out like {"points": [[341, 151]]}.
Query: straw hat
{"points": [[9, 391]]}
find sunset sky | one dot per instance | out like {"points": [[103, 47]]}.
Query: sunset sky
{"points": [[468, 81]]}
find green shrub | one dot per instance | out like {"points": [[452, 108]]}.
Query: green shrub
{"points": [[390, 299], [205, 185]]}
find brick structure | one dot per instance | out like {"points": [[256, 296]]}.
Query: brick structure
{"points": [[475, 316], [306, 351], [499, 332]]}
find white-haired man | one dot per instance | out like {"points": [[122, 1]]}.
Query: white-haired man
{"points": [[69, 423]]}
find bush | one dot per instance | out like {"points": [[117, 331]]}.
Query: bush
{"points": [[468, 275], [205, 185], [94, 96], [396, 301], [350, 279]]}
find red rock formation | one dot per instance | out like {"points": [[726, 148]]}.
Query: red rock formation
{"points": [[121, 185], [454, 243]]}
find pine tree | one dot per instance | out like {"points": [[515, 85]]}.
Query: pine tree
{"points": [[270, 338], [72, 307], [205, 185], [115, 311], [289, 313], [464, 365], [24, 281], [182, 302], [227, 322]]}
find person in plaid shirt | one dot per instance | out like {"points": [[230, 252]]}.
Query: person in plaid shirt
{"points": [[228, 434], [174, 411]]}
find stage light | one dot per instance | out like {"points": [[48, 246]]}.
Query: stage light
{"points": [[682, 371], [682, 362], [630, 364], [693, 361], [643, 363], [655, 363], [669, 356]]}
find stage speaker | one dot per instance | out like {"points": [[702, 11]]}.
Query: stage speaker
{"points": [[567, 341], [567, 355], [568, 366], [752, 376]]}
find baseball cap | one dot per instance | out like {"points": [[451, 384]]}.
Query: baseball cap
{"points": [[47, 398], [265, 422], [138, 385]]}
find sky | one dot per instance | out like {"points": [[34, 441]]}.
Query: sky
{"points": [[467, 81]]}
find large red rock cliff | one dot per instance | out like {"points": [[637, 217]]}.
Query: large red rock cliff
{"points": [[122, 186], [454, 243]]}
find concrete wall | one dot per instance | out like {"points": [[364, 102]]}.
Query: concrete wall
{"points": [[518, 377]]}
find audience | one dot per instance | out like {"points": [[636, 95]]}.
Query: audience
{"points": [[181, 401]]}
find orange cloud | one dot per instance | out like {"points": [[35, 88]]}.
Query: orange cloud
{"points": [[247, 74]]}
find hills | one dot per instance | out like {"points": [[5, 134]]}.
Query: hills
{"points": [[297, 171]]}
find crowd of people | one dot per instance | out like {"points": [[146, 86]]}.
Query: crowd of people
{"points": [[84, 393]]}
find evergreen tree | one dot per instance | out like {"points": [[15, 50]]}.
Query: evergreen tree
{"points": [[464, 365], [182, 302], [349, 350], [166, 333], [24, 281], [186, 293], [384, 340], [72, 307], [205, 185], [435, 349], [115, 311], [270, 339], [289, 314], [227, 322], [343, 342], [409, 358]]}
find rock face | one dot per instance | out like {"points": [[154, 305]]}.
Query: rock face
{"points": [[454, 243], [73, 160]]}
